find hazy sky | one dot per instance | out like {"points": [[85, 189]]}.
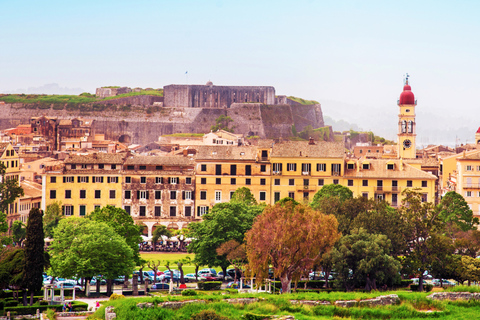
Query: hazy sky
{"points": [[354, 52]]}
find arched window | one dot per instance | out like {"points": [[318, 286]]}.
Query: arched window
{"points": [[404, 126], [410, 126]]}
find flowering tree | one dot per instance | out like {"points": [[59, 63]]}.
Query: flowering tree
{"points": [[290, 238]]}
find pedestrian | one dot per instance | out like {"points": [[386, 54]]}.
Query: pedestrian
{"points": [[64, 307], [70, 309], [97, 305]]}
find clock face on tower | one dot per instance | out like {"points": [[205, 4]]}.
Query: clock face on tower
{"points": [[407, 143]]}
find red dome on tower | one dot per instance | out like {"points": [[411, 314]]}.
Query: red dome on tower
{"points": [[407, 97]]}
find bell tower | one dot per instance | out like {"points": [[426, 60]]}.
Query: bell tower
{"points": [[406, 123]]}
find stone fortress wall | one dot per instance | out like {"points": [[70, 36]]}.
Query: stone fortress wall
{"points": [[266, 120]]}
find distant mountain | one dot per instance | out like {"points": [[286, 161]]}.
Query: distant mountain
{"points": [[51, 88], [433, 126]]}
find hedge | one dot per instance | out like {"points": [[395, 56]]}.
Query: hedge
{"points": [[209, 285], [20, 310], [426, 287], [311, 284]]}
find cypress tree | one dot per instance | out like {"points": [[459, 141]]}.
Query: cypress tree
{"points": [[34, 254]]}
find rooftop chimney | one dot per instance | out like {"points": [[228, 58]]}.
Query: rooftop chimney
{"points": [[311, 141]]}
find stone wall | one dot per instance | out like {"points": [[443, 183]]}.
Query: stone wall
{"points": [[138, 127], [210, 96]]}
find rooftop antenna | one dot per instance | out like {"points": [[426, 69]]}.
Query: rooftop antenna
{"points": [[186, 77], [406, 79]]}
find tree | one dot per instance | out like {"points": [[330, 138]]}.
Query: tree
{"points": [[85, 248], [467, 243], [378, 217], [222, 123], [363, 258], [152, 264], [9, 189], [331, 190], [245, 196], [4, 239], [123, 225], [235, 254], [51, 218], [11, 268], [423, 233], [34, 254], [160, 231], [290, 238], [226, 221], [18, 232], [180, 263], [456, 213]]}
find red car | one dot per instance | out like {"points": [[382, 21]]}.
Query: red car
{"points": [[209, 277]]}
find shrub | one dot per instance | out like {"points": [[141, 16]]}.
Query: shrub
{"points": [[426, 287], [2, 304], [209, 285], [189, 292], [51, 315], [405, 283], [208, 315], [115, 296]]}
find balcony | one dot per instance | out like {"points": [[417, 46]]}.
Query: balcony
{"points": [[387, 189], [306, 173], [472, 186], [277, 173]]}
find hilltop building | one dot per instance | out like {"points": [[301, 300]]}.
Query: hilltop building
{"points": [[210, 96]]}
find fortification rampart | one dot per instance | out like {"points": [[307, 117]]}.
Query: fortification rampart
{"points": [[142, 124]]}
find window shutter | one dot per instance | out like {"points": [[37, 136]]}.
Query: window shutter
{"points": [[207, 210], [198, 211], [178, 180], [102, 179], [72, 210], [87, 179], [108, 179], [294, 167], [161, 180], [183, 195], [168, 180], [138, 194], [281, 164], [64, 179], [78, 179], [63, 208], [147, 194], [93, 179], [193, 195]]}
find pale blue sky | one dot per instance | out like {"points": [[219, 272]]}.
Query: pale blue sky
{"points": [[355, 52]]}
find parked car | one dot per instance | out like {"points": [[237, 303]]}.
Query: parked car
{"points": [[227, 276], [209, 277], [236, 285], [207, 270], [145, 275], [68, 284], [160, 286], [191, 277], [119, 280], [94, 281]]}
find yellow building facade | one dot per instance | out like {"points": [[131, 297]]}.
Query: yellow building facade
{"points": [[84, 183], [220, 170], [301, 168]]}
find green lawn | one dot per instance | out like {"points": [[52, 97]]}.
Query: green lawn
{"points": [[171, 257]]}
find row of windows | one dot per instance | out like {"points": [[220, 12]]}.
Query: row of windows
{"points": [[91, 166], [157, 211], [470, 168], [10, 164], [10, 153], [97, 179], [472, 194], [141, 194]]}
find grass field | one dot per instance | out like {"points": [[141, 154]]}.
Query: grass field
{"points": [[171, 257], [413, 306]]}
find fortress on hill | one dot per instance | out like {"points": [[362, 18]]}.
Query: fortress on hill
{"points": [[140, 119]]}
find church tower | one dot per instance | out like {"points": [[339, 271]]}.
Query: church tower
{"points": [[406, 123]]}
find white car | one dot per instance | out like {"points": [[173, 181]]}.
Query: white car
{"points": [[191, 277]]}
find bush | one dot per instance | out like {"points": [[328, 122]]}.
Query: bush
{"points": [[189, 292], [115, 296], [405, 283], [21, 310], [208, 315], [426, 287], [51, 315], [209, 285], [2, 304], [251, 316]]}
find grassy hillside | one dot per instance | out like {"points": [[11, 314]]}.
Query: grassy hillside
{"points": [[84, 98], [303, 101]]}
